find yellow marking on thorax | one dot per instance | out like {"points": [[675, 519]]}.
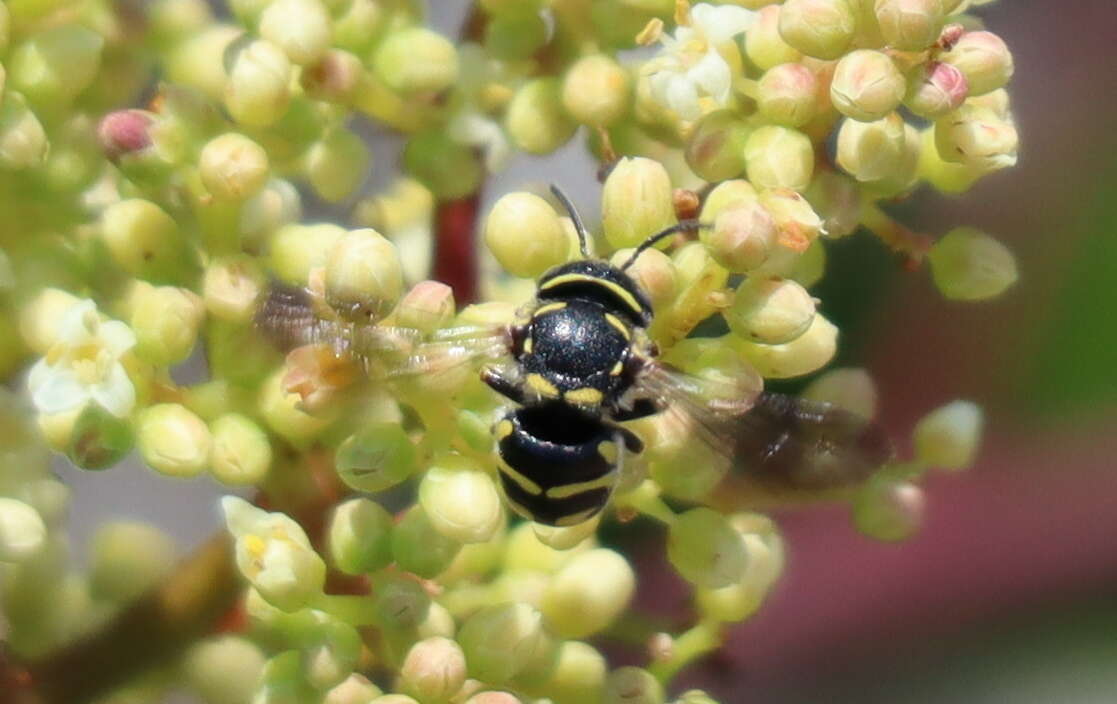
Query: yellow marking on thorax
{"points": [[621, 327], [528, 345], [548, 308], [524, 483], [617, 369], [568, 490], [503, 429], [608, 451], [541, 386], [585, 396], [617, 289]]}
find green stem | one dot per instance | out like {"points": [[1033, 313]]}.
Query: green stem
{"points": [[703, 638]]}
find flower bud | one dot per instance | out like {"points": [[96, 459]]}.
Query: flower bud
{"points": [[695, 696], [448, 168], [705, 549], [984, 59], [223, 669], [124, 132], [714, 149], [461, 500], [241, 453], [356, 689], [578, 673], [765, 45], [493, 698], [376, 458], [172, 440], [770, 311], [22, 531], [433, 671], [301, 28], [935, 89], [867, 85], [823, 29], [231, 287], [567, 537], [401, 603], [264, 213], [536, 120], [633, 685], [948, 437], [23, 142], [636, 201], [258, 89], [515, 36], [728, 194], [526, 552], [778, 157], [416, 60], [360, 537], [889, 511], [198, 61], [333, 78], [742, 237], [525, 235], [419, 547], [128, 558], [969, 265], [233, 167], [653, 271], [910, 25], [588, 593], [53, 66], [499, 641], [297, 249], [788, 95], [851, 389], [98, 439], [870, 151], [394, 699], [796, 221], [807, 353], [337, 165], [142, 238], [428, 306], [596, 90], [363, 276], [283, 412], [5, 27], [332, 652], [977, 137], [763, 565], [166, 322]]}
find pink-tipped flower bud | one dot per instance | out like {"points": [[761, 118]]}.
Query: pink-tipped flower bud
{"points": [[910, 25], [984, 59], [124, 132], [936, 88], [788, 94], [867, 85]]}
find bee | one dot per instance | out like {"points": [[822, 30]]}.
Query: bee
{"points": [[577, 364]]}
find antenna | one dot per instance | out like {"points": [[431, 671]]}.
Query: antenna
{"points": [[574, 217], [681, 226]]}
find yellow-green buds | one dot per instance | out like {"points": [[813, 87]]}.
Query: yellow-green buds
{"points": [[499, 641], [401, 603], [264, 213], [872, 151], [433, 670], [54, 66], [363, 278], [788, 94], [231, 287], [166, 322], [578, 673], [301, 28], [526, 235], [742, 238], [356, 689], [763, 43], [978, 137], [653, 271], [633, 685], [282, 410], [803, 355], [779, 157], [823, 29], [416, 60], [770, 311], [223, 669], [492, 698], [172, 440], [296, 249], [274, 554], [695, 696], [516, 35], [910, 25], [948, 437], [596, 90], [867, 85], [360, 537], [705, 549], [258, 89], [935, 88], [332, 651], [334, 78], [241, 453], [428, 306], [889, 511], [536, 120], [22, 531], [233, 167], [337, 164], [461, 500], [636, 201], [851, 389], [763, 565], [142, 238], [984, 59], [796, 221], [969, 265], [449, 168], [588, 593], [98, 439], [419, 547], [23, 142], [714, 149], [376, 458], [128, 558]]}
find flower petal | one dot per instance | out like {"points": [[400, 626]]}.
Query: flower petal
{"points": [[713, 76], [71, 326], [682, 98], [115, 394], [721, 23], [58, 390], [117, 337]]}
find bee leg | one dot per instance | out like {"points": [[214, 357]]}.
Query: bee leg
{"points": [[499, 382]]}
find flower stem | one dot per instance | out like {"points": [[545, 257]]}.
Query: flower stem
{"points": [[703, 638]]}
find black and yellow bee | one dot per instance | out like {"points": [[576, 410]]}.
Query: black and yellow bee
{"points": [[578, 363]]}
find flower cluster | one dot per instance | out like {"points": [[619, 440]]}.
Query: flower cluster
{"points": [[381, 560]]}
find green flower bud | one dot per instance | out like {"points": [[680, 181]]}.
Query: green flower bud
{"points": [[636, 201], [301, 28], [946, 176], [577, 674], [525, 235], [525, 551], [870, 151], [714, 149], [823, 29], [357, 28], [536, 120], [428, 306], [499, 641], [419, 547], [198, 62], [695, 696], [258, 90], [770, 311], [742, 237], [416, 60], [984, 59], [50, 499], [127, 559], [433, 671], [283, 413], [376, 458], [705, 549], [726, 195], [23, 142], [142, 238], [566, 537], [633, 685], [356, 689], [172, 440], [596, 90], [364, 278], [333, 78], [170, 21], [297, 249], [233, 167], [264, 213], [763, 565], [332, 653], [54, 66], [910, 25], [935, 89], [241, 453], [807, 353], [948, 437], [337, 165], [969, 265], [22, 531], [449, 169], [588, 593], [788, 95], [978, 137], [360, 537], [778, 157], [461, 500], [223, 669], [516, 36], [493, 698], [763, 43], [836, 198], [5, 27], [231, 287], [653, 271], [796, 221], [889, 511], [851, 389], [394, 699], [401, 603], [166, 322], [867, 85], [98, 439]]}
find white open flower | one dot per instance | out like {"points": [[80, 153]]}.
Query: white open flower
{"points": [[475, 129], [689, 67], [84, 365]]}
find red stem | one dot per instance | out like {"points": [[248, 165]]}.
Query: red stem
{"points": [[455, 250]]}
